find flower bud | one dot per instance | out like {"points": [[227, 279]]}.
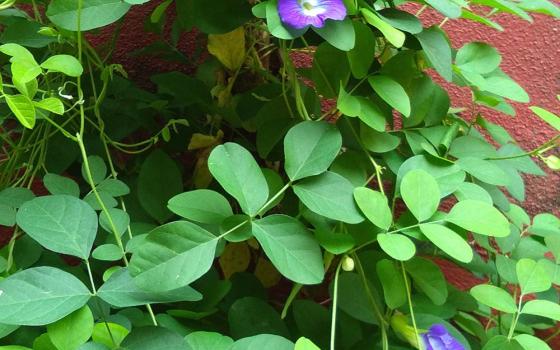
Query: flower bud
{"points": [[348, 264]]}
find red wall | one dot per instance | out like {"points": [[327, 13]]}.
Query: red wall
{"points": [[531, 55]]}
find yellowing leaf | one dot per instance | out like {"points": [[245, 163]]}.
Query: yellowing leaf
{"points": [[267, 273], [199, 141], [228, 48], [235, 258]]}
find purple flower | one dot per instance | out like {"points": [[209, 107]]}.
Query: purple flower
{"points": [[302, 13], [438, 338]]}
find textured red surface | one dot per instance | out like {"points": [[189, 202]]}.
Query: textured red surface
{"points": [[531, 55]]}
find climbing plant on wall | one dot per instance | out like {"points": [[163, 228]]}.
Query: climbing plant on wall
{"points": [[261, 202]]}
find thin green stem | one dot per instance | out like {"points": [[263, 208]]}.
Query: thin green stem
{"points": [[98, 197], [274, 198], [410, 306], [293, 294], [516, 317], [382, 322], [378, 169], [334, 306], [394, 231], [90, 274]]}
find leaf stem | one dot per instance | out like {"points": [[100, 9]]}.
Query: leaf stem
{"points": [[411, 308], [90, 274], [334, 306]]}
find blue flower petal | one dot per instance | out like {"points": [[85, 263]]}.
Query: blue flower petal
{"points": [[303, 13]]}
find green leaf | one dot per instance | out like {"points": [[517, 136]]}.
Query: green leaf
{"points": [[172, 256], [530, 342], [66, 64], [378, 142], [291, 248], [251, 316], [120, 221], [470, 146], [97, 167], [222, 17], [479, 217], [393, 35], [547, 116], [40, 296], [61, 223], [205, 206], [394, 288], [109, 334], [57, 184], [494, 297], [481, 19], [158, 181], [329, 195], [505, 6], [449, 176], [23, 109], [25, 32], [73, 330], [339, 34], [468, 190], [428, 278], [93, 13], [447, 7], [436, 46], [263, 341], [363, 108], [121, 291], [420, 192], [305, 344], [391, 92], [330, 70], [374, 205], [51, 104], [7, 215], [310, 148], [107, 252], [484, 170], [362, 55], [240, 175], [334, 242], [151, 338], [401, 20], [545, 225], [353, 298], [15, 196], [501, 342], [208, 341], [532, 277], [540, 6], [542, 308], [397, 246], [504, 86], [114, 187], [478, 57], [448, 241]]}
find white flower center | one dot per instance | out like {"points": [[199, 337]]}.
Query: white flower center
{"points": [[311, 8]]}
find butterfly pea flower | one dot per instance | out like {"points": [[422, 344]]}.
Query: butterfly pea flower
{"points": [[438, 338], [300, 14]]}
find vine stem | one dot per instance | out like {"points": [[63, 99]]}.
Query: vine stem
{"points": [[516, 318], [363, 245], [335, 306], [90, 274], [382, 322], [411, 308], [377, 167]]}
